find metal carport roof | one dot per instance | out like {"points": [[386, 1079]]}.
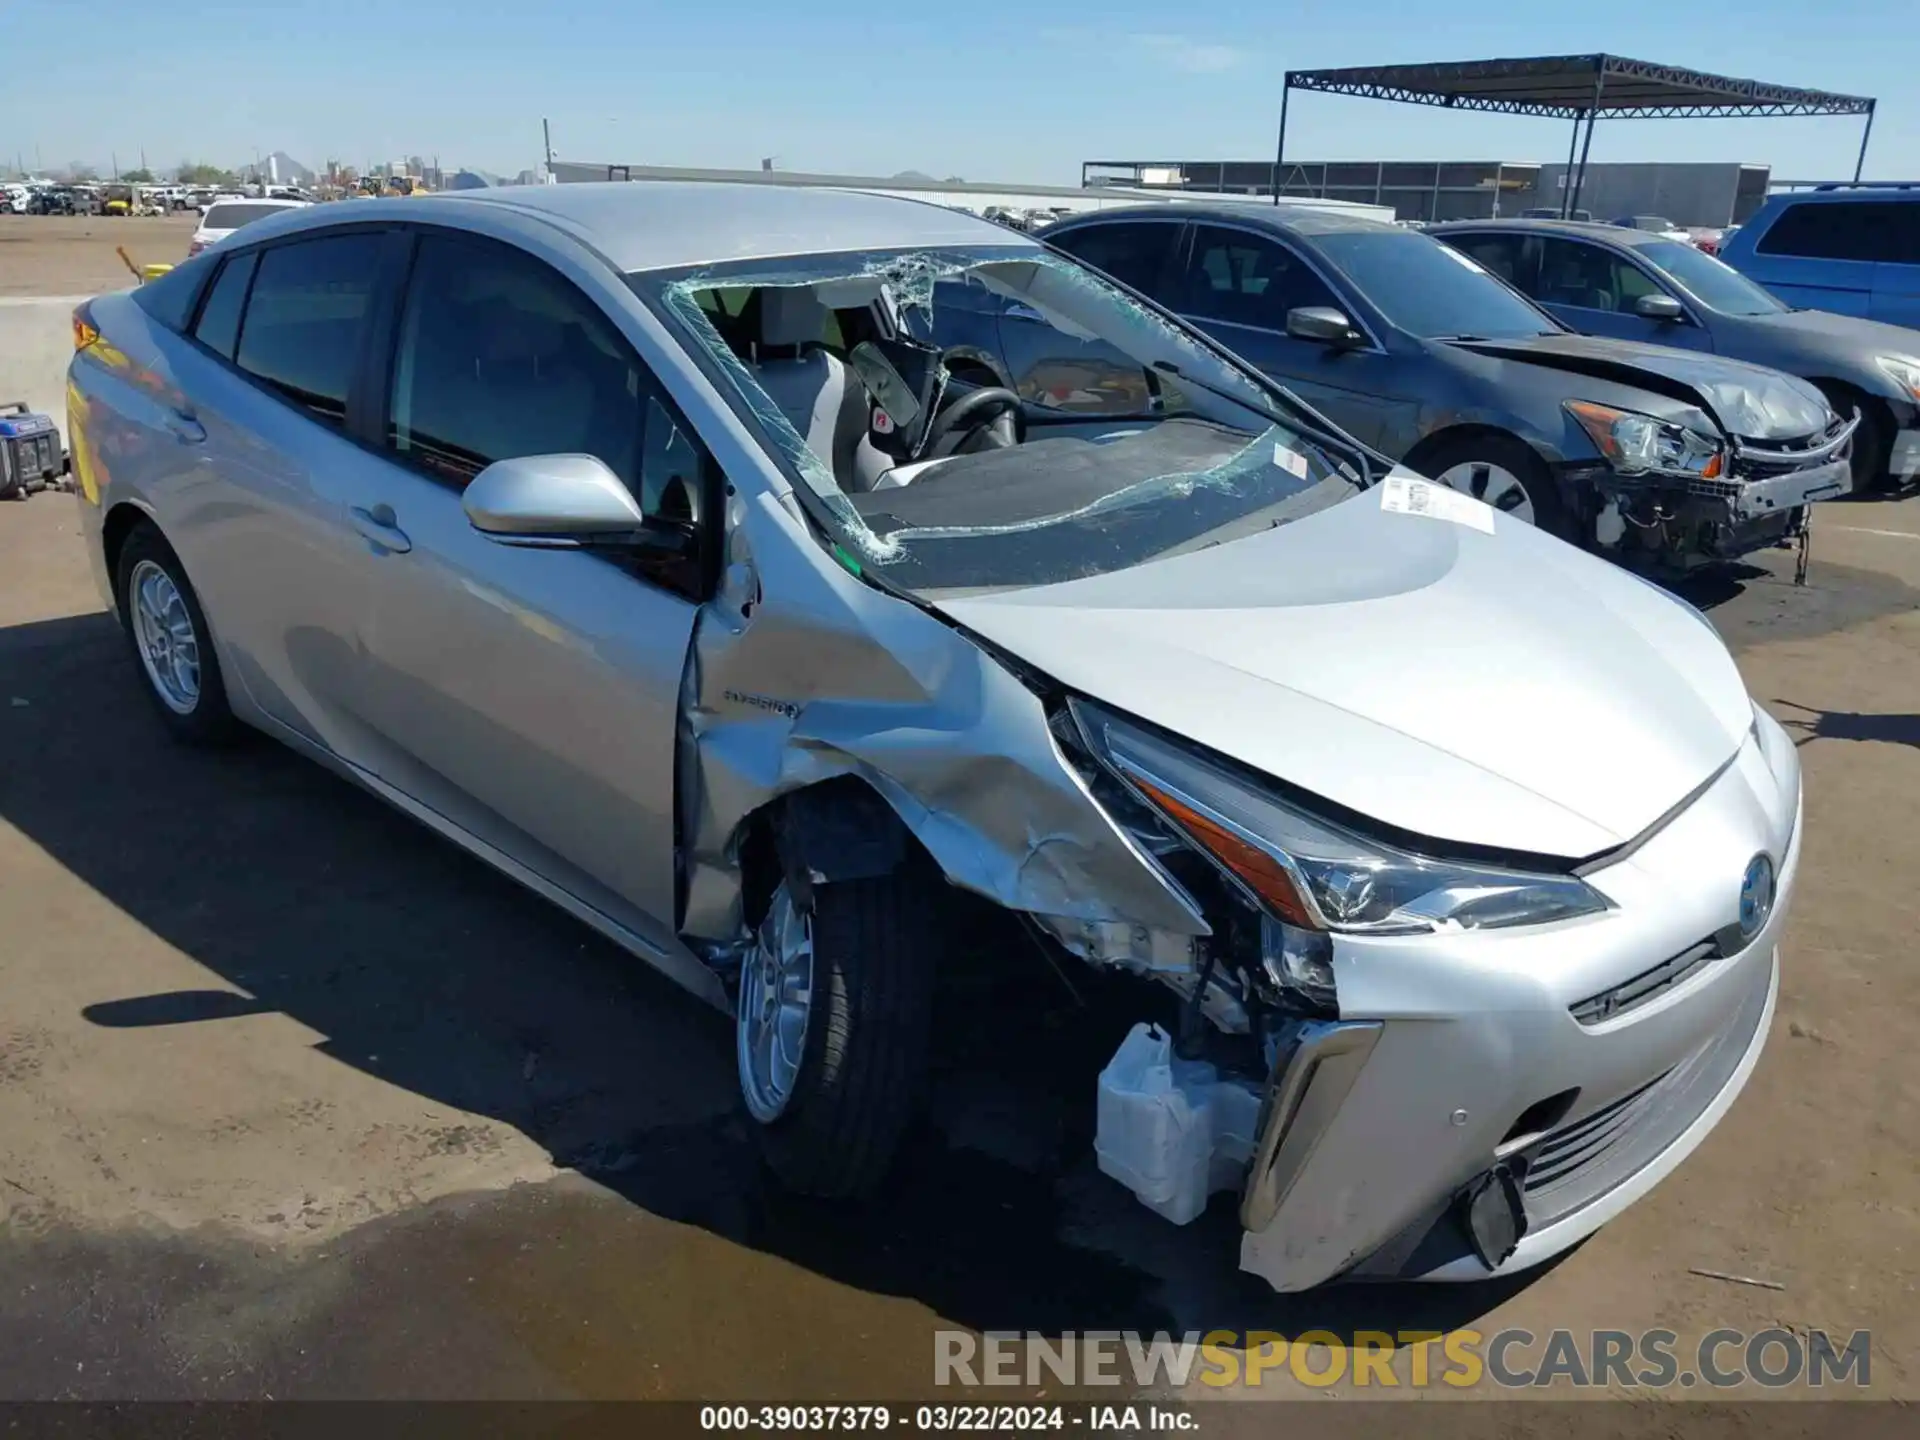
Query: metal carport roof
{"points": [[1572, 87]]}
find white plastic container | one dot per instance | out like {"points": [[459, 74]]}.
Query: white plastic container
{"points": [[1154, 1131]]}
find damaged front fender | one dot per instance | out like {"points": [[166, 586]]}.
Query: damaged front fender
{"points": [[801, 673]]}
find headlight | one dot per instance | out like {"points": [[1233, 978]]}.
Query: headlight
{"points": [[1903, 372], [1313, 874], [1637, 444]]}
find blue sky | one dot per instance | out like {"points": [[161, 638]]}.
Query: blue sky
{"points": [[990, 92]]}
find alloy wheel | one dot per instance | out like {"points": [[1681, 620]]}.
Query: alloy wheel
{"points": [[1493, 484], [169, 646], [776, 998]]}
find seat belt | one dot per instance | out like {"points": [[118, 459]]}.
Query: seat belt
{"points": [[851, 426]]}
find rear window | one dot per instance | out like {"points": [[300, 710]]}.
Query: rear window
{"points": [[231, 215], [1886, 231]]}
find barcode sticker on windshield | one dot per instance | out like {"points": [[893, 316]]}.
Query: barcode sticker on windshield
{"points": [[1291, 461], [1410, 495]]}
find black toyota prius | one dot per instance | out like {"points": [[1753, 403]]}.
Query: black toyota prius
{"points": [[1425, 356]]}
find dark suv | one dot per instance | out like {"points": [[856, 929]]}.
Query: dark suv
{"points": [[1850, 248]]}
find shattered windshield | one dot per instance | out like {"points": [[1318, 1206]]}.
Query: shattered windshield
{"points": [[995, 416]]}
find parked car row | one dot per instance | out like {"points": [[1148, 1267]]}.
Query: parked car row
{"points": [[1640, 286], [1425, 354], [731, 605]]}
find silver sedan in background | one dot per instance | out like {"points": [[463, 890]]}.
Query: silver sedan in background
{"points": [[639, 539]]}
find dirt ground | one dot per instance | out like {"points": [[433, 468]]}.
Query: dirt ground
{"points": [[297, 1100], [75, 254]]}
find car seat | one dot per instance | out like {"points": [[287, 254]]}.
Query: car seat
{"points": [[1572, 284], [822, 399]]}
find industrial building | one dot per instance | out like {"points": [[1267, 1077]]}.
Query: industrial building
{"points": [[975, 196], [1707, 195]]}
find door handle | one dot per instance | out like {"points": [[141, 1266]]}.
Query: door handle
{"points": [[377, 527], [186, 429]]}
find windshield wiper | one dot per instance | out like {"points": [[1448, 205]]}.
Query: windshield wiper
{"points": [[1328, 436]]}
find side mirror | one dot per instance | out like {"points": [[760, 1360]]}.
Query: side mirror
{"points": [[564, 502], [1658, 307], [1321, 324]]}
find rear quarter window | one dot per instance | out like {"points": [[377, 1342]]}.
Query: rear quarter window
{"points": [[170, 298]]}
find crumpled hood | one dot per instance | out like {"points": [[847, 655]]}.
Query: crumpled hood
{"points": [[1499, 689], [1749, 401]]}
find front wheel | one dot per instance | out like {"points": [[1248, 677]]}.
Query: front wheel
{"points": [[832, 1027], [1506, 474]]}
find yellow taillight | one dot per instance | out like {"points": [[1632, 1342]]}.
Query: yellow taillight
{"points": [[83, 332]]}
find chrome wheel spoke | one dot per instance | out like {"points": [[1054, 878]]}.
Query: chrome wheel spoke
{"points": [[1491, 484], [168, 644], [776, 997]]}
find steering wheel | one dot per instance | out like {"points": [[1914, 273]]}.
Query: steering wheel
{"points": [[971, 416]]}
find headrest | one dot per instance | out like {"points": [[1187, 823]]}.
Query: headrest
{"points": [[791, 315]]}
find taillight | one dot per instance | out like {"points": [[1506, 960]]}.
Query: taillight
{"points": [[84, 333]]}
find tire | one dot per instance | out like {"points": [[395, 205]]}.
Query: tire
{"points": [[195, 713], [1477, 465], [1872, 459], [863, 1059]]}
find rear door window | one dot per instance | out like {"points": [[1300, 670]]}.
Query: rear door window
{"points": [[1844, 230], [1134, 252], [501, 357], [218, 327], [1499, 255], [304, 319]]}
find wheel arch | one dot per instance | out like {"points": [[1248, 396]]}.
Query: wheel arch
{"points": [[1839, 392], [839, 828], [120, 521], [1438, 442]]}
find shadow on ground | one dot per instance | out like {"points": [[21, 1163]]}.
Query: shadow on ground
{"points": [[1809, 724], [423, 967]]}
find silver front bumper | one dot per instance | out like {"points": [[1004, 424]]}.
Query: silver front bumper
{"points": [[1779, 493], [1375, 1125]]}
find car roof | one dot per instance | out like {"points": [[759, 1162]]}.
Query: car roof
{"points": [[1894, 194], [1580, 229], [660, 224], [1283, 219]]}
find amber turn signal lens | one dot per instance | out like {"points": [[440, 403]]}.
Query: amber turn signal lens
{"points": [[1258, 870]]}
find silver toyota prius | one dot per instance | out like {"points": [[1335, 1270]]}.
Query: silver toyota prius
{"points": [[639, 539]]}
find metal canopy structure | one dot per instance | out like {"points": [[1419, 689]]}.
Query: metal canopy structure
{"points": [[1580, 88]]}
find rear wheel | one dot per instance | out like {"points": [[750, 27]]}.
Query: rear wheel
{"points": [[1504, 473], [168, 634], [832, 1027]]}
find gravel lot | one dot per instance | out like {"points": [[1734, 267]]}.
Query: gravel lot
{"points": [[297, 1100], [75, 254]]}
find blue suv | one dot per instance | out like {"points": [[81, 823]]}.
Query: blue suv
{"points": [[1853, 249]]}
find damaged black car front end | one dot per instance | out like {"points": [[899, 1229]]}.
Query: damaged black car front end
{"points": [[1728, 465]]}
